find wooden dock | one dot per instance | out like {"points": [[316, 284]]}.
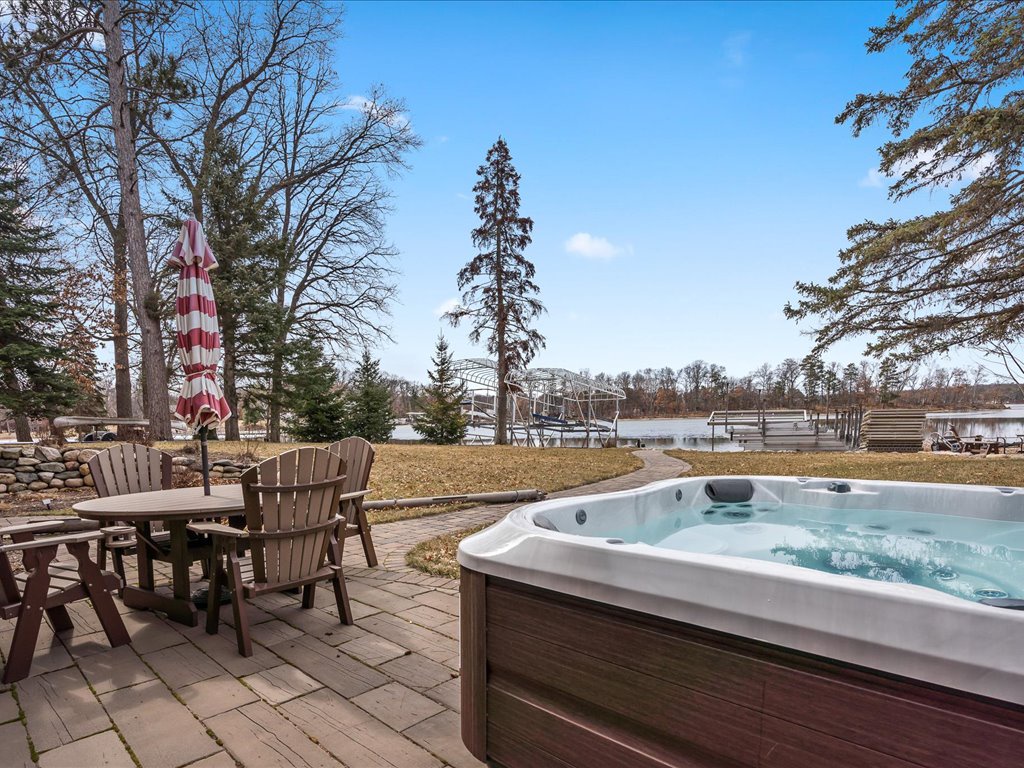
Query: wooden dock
{"points": [[790, 429]]}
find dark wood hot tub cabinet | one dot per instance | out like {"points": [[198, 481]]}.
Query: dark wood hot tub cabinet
{"points": [[553, 680]]}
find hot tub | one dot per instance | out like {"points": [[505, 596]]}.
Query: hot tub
{"points": [[763, 621]]}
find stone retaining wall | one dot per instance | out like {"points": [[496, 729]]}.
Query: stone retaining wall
{"points": [[38, 467]]}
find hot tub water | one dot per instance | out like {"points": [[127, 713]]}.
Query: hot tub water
{"points": [[970, 558]]}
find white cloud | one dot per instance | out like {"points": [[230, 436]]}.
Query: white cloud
{"points": [[875, 178], [358, 103], [735, 47], [446, 306], [590, 247]]}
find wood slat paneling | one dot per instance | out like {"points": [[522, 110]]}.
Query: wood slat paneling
{"points": [[710, 724], [589, 684], [787, 745], [576, 738], [712, 671], [908, 728]]}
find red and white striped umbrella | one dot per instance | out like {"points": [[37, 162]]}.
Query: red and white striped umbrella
{"points": [[201, 402]]}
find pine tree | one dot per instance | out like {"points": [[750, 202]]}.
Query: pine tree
{"points": [[442, 421], [33, 383], [368, 403], [929, 283], [498, 292], [317, 404]]}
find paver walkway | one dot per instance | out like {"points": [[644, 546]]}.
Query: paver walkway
{"points": [[382, 693]]}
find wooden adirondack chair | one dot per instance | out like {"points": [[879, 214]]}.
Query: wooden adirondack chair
{"points": [[291, 529], [131, 468], [358, 455], [48, 585]]}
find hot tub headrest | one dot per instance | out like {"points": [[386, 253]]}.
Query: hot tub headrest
{"points": [[729, 491], [542, 521]]}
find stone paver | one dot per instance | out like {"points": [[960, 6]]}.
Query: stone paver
{"points": [[383, 693], [160, 730], [104, 749], [15, 746]]}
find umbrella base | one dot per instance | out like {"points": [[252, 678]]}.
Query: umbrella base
{"points": [[202, 595]]}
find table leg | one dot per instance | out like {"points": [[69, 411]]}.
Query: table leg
{"points": [[144, 555], [178, 608]]}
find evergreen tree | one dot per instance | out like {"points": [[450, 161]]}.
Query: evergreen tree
{"points": [[442, 421], [368, 403], [33, 382], [932, 282], [498, 292], [317, 404], [239, 229]]}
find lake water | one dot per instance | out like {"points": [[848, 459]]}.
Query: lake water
{"points": [[695, 434]]}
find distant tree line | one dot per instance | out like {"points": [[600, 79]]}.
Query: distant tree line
{"points": [[701, 387]]}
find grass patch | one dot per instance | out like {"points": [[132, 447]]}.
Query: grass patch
{"points": [[914, 467], [437, 556]]}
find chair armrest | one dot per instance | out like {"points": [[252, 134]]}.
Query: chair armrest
{"points": [[218, 529], [50, 541], [354, 495], [51, 525]]}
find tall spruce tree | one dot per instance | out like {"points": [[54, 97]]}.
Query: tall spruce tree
{"points": [[33, 383], [498, 292], [238, 225], [368, 403], [317, 404], [950, 278], [442, 421]]}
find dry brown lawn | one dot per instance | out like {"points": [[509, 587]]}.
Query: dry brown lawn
{"points": [[409, 471]]}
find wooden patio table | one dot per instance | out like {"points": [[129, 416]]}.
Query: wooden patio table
{"points": [[174, 508]]}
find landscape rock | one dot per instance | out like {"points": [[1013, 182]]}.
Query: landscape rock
{"points": [[55, 483], [8, 463], [68, 475], [71, 455], [46, 453], [47, 476], [3, 488], [7, 478], [182, 460], [38, 485], [221, 463], [71, 465], [84, 469], [26, 477], [85, 454], [74, 482], [28, 461], [89, 481], [51, 466], [29, 452], [10, 453], [17, 488]]}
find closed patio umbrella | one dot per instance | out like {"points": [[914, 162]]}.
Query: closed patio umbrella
{"points": [[201, 404]]}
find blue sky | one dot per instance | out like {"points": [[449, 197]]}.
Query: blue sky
{"points": [[680, 161]]}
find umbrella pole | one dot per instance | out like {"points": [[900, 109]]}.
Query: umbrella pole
{"points": [[206, 461]]}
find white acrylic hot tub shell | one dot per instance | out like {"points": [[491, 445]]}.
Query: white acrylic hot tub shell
{"points": [[902, 629]]}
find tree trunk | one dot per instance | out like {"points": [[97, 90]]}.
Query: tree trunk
{"points": [[22, 429], [231, 431], [147, 305], [122, 363], [501, 411], [276, 387]]}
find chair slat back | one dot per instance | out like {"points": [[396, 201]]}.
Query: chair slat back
{"points": [[305, 504], [130, 468], [358, 455]]}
